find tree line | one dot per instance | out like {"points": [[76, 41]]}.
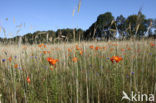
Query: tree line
{"points": [[106, 27]]}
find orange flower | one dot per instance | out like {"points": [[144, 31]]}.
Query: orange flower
{"points": [[28, 79], [128, 48], [91, 47], [152, 44], [16, 66], [69, 50], [45, 52], [45, 46], [10, 58], [97, 48], [42, 45], [123, 50], [52, 61], [115, 58], [74, 59], [77, 48], [81, 52]]}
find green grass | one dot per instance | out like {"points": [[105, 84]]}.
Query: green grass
{"points": [[92, 79]]}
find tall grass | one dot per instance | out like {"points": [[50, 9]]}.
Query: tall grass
{"points": [[92, 79]]}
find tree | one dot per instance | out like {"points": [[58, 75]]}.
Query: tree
{"points": [[121, 26], [135, 25], [90, 33], [101, 28], [103, 24]]}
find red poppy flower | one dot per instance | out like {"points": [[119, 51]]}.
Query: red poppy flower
{"points": [[115, 58], [16, 66], [28, 79], [152, 44], [74, 59], [91, 47], [52, 61]]}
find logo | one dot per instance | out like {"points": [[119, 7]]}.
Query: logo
{"points": [[138, 97]]}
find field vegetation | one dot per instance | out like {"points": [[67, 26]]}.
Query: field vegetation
{"points": [[86, 72]]}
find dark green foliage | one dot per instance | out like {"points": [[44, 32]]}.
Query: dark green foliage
{"points": [[101, 27], [105, 28]]}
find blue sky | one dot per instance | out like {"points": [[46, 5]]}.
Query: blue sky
{"points": [[54, 14]]}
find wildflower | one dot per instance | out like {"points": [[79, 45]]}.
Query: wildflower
{"points": [[28, 79], [45, 46], [152, 44], [132, 73], [10, 58], [128, 48], [42, 45], [52, 61], [81, 52], [108, 58], [69, 50], [122, 50], [16, 66], [97, 48], [91, 47], [77, 48], [115, 58], [3, 60], [74, 59], [45, 52]]}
